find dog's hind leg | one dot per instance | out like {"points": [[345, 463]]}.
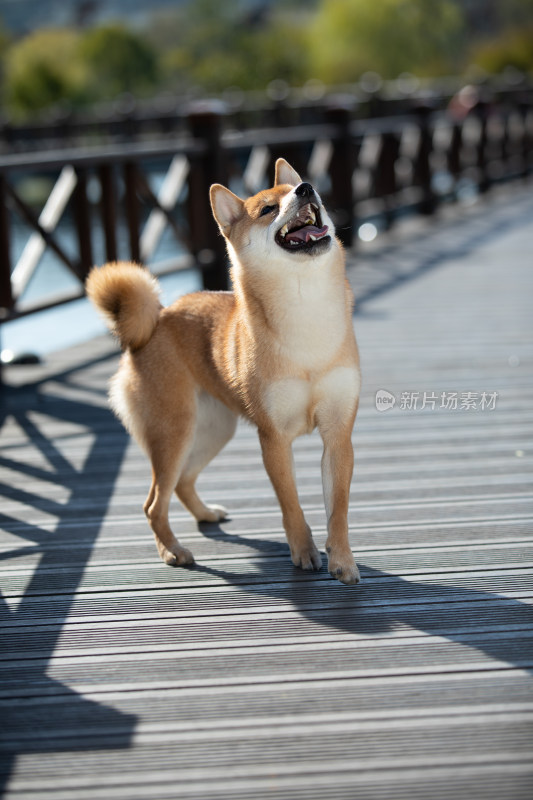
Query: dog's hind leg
{"points": [[215, 426], [168, 453]]}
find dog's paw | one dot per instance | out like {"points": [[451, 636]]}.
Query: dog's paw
{"points": [[213, 514], [177, 557], [307, 557], [344, 568]]}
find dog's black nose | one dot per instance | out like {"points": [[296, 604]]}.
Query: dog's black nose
{"points": [[305, 190]]}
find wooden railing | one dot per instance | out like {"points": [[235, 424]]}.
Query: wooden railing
{"points": [[129, 119], [371, 169]]}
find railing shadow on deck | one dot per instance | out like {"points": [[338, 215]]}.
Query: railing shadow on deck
{"points": [[38, 712], [426, 606]]}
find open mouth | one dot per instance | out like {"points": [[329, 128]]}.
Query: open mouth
{"points": [[305, 231]]}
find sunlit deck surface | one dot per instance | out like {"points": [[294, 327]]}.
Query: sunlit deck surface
{"points": [[122, 678]]}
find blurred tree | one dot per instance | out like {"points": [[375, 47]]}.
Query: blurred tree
{"points": [[119, 60], [42, 70], [350, 37], [222, 44], [5, 39], [488, 18], [5, 42], [216, 45], [501, 34], [282, 51], [513, 48], [514, 13]]}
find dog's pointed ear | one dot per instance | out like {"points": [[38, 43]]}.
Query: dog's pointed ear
{"points": [[286, 174], [227, 207]]}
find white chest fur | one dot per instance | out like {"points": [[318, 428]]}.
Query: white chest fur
{"points": [[310, 322], [296, 406]]}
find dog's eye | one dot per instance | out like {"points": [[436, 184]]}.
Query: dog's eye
{"points": [[267, 210]]}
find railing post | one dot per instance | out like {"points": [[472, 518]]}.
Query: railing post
{"points": [[481, 111], [83, 224], [341, 171], [423, 161], [132, 210], [524, 108], [6, 294], [205, 124], [386, 184], [453, 156], [108, 211]]}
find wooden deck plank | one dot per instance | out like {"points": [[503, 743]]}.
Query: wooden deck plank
{"points": [[244, 677]]}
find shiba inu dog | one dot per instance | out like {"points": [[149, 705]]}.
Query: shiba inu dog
{"points": [[279, 351]]}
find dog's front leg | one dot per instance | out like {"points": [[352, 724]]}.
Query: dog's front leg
{"points": [[279, 464], [337, 469]]}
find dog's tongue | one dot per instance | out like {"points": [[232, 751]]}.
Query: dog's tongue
{"points": [[304, 234]]}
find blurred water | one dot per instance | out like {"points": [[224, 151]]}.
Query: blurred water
{"points": [[77, 321]]}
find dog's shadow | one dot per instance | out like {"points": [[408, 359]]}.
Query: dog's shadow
{"points": [[500, 627]]}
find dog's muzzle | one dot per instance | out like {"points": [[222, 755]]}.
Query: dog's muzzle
{"points": [[304, 231]]}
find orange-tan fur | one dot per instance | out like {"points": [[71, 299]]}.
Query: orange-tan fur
{"points": [[279, 350]]}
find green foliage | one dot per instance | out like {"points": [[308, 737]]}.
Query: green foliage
{"points": [[513, 13], [52, 67], [42, 70], [282, 51], [514, 48], [118, 61], [4, 41], [214, 45], [350, 37]]}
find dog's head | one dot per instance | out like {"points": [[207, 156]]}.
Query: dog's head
{"points": [[282, 225]]}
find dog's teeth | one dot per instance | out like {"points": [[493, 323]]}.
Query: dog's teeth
{"points": [[283, 231], [313, 238]]}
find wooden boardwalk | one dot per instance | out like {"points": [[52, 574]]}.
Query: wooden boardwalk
{"points": [[125, 679]]}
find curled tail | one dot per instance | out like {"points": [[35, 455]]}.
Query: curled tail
{"points": [[128, 297]]}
